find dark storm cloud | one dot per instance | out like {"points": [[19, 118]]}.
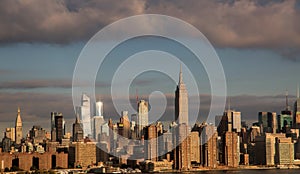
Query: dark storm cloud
{"points": [[59, 21], [5, 72], [32, 84], [250, 105], [240, 24], [34, 106]]}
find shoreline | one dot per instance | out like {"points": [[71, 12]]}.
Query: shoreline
{"points": [[294, 167]]}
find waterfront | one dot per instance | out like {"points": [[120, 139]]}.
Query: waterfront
{"points": [[266, 171]]}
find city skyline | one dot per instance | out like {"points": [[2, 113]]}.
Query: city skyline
{"points": [[272, 141], [135, 86]]}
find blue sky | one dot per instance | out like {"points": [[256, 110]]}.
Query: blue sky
{"points": [[258, 43], [248, 71]]}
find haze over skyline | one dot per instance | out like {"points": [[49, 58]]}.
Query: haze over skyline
{"points": [[261, 57]]}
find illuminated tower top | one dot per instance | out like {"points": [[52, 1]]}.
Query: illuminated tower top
{"points": [[181, 101], [18, 128]]}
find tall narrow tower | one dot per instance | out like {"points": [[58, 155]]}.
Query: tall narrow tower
{"points": [[18, 128], [181, 102], [286, 100], [142, 117], [86, 115], [296, 116], [182, 157]]}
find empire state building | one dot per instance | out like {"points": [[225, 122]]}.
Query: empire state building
{"points": [[181, 102]]}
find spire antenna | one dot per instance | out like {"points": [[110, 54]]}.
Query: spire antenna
{"points": [[180, 75], [137, 97], [297, 90], [229, 103], [286, 100]]}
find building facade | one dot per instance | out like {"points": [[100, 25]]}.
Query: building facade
{"points": [[18, 128], [181, 102], [142, 117]]}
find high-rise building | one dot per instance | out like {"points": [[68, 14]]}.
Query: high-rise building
{"points": [[18, 128], [234, 120], [160, 140], [195, 147], [37, 134], [98, 121], [82, 154], [53, 128], [296, 116], [59, 127], [6, 144], [297, 149], [124, 125], [230, 121], [265, 152], [105, 129], [86, 115], [232, 149], [211, 155], [151, 144], [183, 150], [209, 148], [168, 142], [284, 151], [99, 108], [77, 131], [181, 102], [285, 119], [268, 122], [254, 132], [142, 117], [10, 133]]}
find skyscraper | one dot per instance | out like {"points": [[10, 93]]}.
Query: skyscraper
{"points": [[234, 120], [195, 147], [59, 127], [151, 145], [209, 148], [124, 125], [53, 128], [97, 121], [142, 116], [181, 102], [285, 118], [10, 133], [284, 151], [232, 150], [18, 128], [134, 126], [268, 122], [230, 121], [296, 117], [86, 115], [77, 131], [183, 150], [99, 108]]}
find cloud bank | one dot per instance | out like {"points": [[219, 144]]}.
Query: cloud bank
{"points": [[240, 24]]}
